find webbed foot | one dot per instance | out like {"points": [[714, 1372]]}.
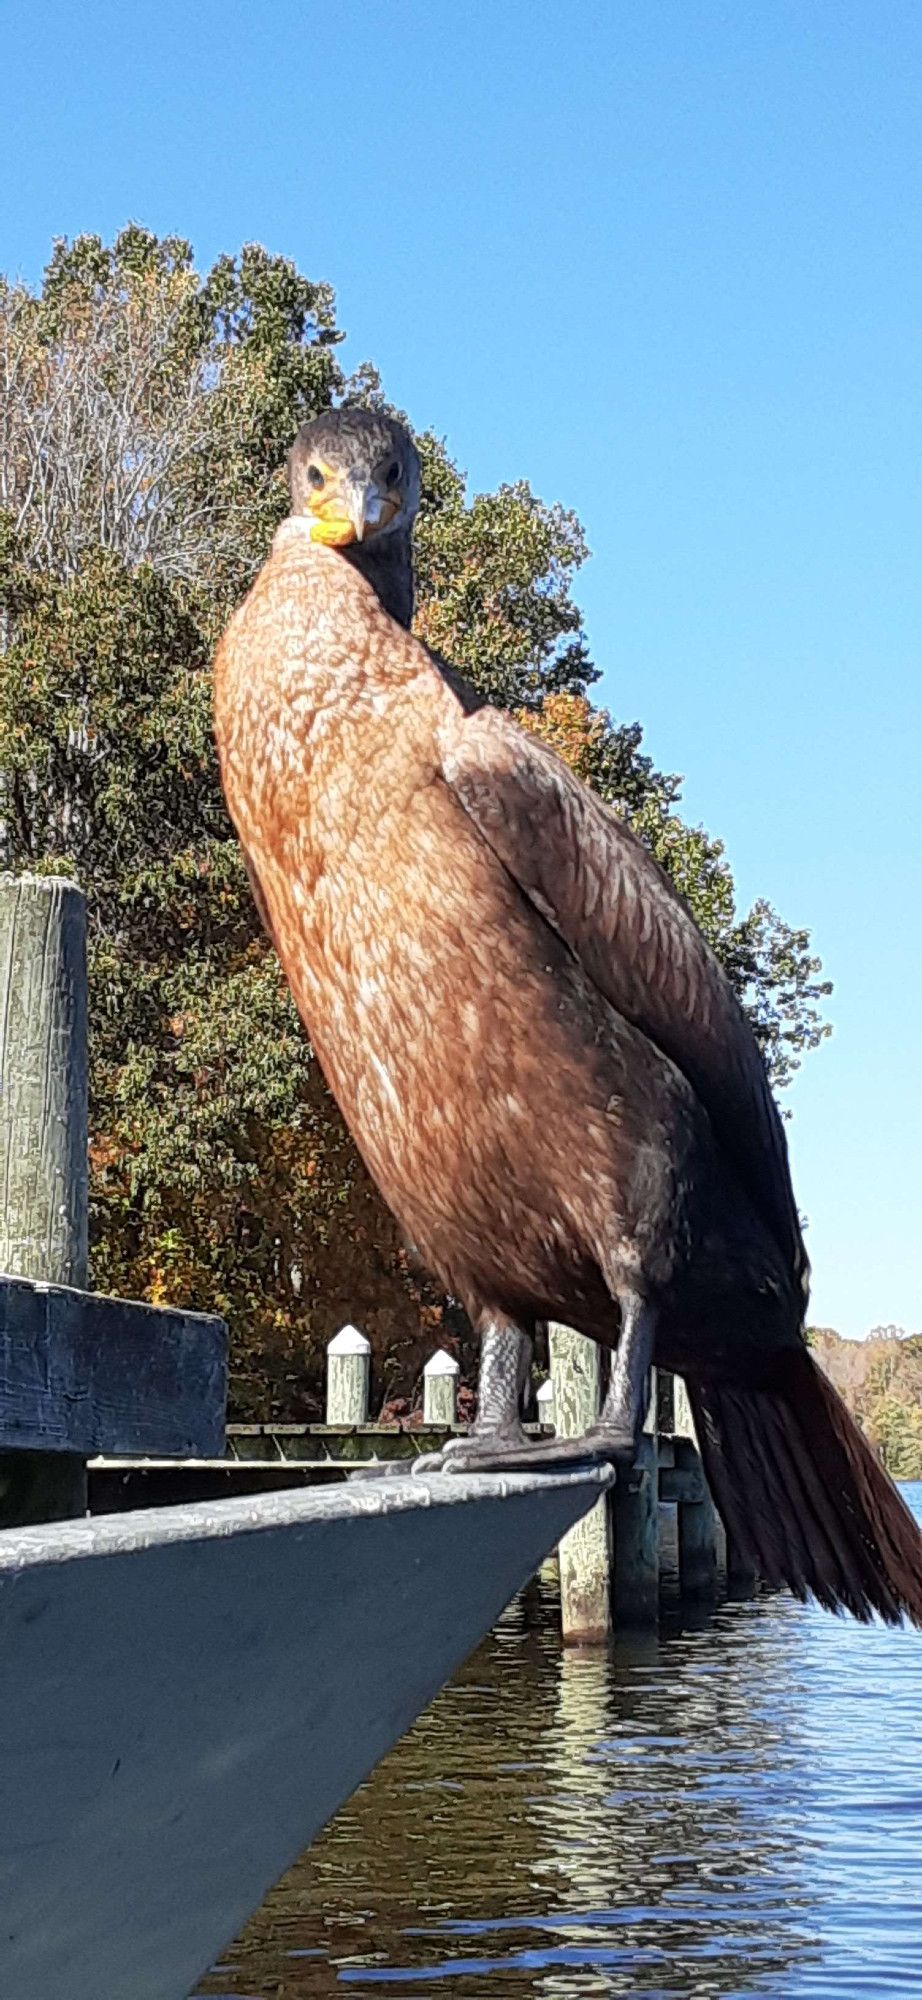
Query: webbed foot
{"points": [[613, 1444], [479, 1451], [511, 1452], [386, 1468]]}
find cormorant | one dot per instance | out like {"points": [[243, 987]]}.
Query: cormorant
{"points": [[542, 1063]]}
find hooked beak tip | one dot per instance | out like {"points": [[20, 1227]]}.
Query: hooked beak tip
{"points": [[360, 505]]}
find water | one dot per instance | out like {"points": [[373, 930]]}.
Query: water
{"points": [[732, 1810]]}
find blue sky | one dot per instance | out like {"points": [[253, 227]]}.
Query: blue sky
{"points": [[665, 261]]}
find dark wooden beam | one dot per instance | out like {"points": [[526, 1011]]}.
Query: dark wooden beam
{"points": [[84, 1374]]}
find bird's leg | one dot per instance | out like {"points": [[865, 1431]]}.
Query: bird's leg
{"points": [[621, 1417], [505, 1360], [497, 1442]]}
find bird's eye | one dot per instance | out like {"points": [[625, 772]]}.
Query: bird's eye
{"points": [[392, 474], [315, 476]]}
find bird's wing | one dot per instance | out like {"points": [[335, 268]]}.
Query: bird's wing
{"points": [[600, 888], [462, 690], [258, 897]]}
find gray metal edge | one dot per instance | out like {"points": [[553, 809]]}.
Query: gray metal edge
{"points": [[153, 1527]]}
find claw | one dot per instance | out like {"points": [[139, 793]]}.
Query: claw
{"points": [[510, 1451], [498, 1453], [381, 1468], [613, 1445], [430, 1461]]}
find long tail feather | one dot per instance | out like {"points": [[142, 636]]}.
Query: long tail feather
{"points": [[804, 1496]]}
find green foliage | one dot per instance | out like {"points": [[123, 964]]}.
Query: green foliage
{"points": [[881, 1381], [148, 409], [141, 477], [494, 576]]}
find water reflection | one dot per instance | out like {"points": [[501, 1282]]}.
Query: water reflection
{"points": [[733, 1810]]}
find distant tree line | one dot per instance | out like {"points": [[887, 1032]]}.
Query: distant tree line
{"points": [[881, 1381], [145, 412]]}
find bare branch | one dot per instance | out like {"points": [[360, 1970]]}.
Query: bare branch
{"points": [[109, 429]]}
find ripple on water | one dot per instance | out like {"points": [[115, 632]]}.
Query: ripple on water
{"points": [[730, 1811]]}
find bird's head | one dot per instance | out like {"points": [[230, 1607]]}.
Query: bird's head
{"points": [[355, 475]]}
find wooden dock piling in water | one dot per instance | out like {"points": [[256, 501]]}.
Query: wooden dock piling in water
{"points": [[634, 1504], [700, 1530], [43, 1065], [610, 1563], [585, 1553], [79, 1374]]}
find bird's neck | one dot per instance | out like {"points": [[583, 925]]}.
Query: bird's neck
{"points": [[387, 565]]}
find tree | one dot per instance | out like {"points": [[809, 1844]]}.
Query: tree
{"points": [[147, 410], [880, 1379], [494, 576], [141, 473]]}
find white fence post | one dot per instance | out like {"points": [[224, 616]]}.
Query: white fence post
{"points": [[440, 1389], [348, 1376], [545, 1401]]}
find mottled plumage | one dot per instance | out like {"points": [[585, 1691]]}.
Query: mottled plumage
{"points": [[540, 1060]]}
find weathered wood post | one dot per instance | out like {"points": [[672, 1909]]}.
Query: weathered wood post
{"points": [[544, 1399], [741, 1578], [43, 1138], [440, 1389], [700, 1529], [585, 1553], [635, 1507], [348, 1377]]}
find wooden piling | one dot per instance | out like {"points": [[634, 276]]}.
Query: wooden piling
{"points": [[729, 1562], [43, 1065], [635, 1531], [585, 1552], [440, 1389], [43, 1138], [348, 1377], [699, 1525]]}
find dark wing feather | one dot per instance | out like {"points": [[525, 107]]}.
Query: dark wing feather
{"points": [[462, 690], [590, 877]]}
